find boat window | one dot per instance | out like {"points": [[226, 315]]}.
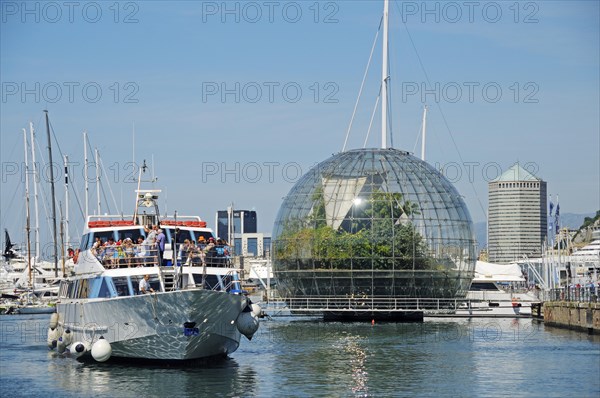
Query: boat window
{"points": [[132, 234], [154, 283], [104, 235], [182, 235], [85, 242], [477, 286], [104, 289], [135, 283], [212, 282], [82, 288], [64, 288], [206, 235], [121, 286], [71, 290]]}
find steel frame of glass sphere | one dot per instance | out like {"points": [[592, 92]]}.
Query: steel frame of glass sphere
{"points": [[373, 223]]}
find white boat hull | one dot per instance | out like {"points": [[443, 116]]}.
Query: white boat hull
{"points": [[151, 326], [497, 305], [504, 310]]}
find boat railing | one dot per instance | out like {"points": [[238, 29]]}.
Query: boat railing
{"points": [[364, 304], [218, 256], [227, 282], [126, 255], [367, 304]]}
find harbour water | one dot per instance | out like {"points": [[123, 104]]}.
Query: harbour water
{"points": [[307, 358]]}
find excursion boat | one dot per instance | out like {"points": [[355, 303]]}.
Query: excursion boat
{"points": [[193, 309]]}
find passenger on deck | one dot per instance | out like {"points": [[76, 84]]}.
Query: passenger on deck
{"points": [[160, 245], [211, 252], [128, 251], [184, 251], [110, 253], [201, 243], [150, 242], [139, 251], [98, 248], [196, 254], [145, 285]]}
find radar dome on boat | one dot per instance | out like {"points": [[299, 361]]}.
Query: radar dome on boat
{"points": [[373, 222]]}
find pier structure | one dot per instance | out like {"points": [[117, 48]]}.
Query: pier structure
{"points": [[571, 308]]}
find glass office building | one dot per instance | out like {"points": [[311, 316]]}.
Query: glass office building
{"points": [[244, 221], [373, 223]]}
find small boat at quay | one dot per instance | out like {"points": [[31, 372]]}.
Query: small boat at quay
{"points": [[498, 291]]}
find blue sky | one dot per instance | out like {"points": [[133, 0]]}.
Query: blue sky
{"points": [[508, 81]]}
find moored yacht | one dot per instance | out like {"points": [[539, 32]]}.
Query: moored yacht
{"points": [[497, 291]]}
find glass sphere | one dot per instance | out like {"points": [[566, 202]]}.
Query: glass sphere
{"points": [[373, 223]]}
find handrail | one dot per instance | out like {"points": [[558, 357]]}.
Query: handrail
{"points": [[381, 304], [582, 294], [126, 256]]}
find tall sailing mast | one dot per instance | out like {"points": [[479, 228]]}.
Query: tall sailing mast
{"points": [[384, 77], [27, 225], [66, 218], [53, 196], [35, 194]]}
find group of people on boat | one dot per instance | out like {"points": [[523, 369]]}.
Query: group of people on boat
{"points": [[114, 254], [209, 252], [150, 251]]}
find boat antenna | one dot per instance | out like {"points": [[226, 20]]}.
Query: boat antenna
{"points": [[384, 77], [96, 155], [53, 196], [142, 170], [27, 226], [133, 144]]}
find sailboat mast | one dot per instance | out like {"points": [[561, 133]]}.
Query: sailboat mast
{"points": [[85, 175], [66, 219], [384, 77], [53, 196], [97, 178], [27, 226], [423, 135], [35, 193], [62, 240]]}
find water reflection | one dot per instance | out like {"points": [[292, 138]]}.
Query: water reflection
{"points": [[224, 378], [360, 359]]}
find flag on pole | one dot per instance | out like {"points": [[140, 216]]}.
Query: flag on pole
{"points": [[551, 208]]}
